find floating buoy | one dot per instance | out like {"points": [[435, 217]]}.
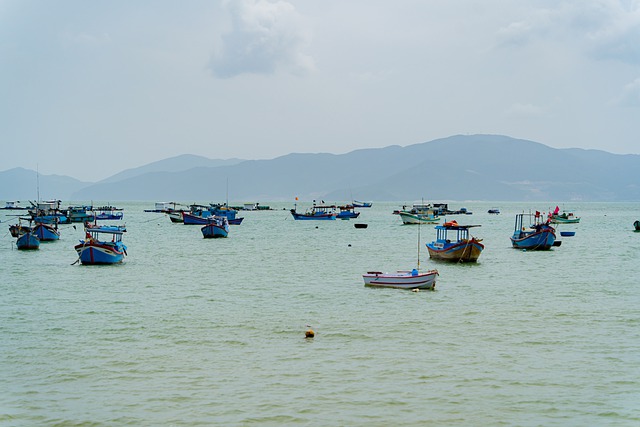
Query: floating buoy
{"points": [[415, 290], [309, 333], [349, 245]]}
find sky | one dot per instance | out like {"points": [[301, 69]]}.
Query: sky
{"points": [[88, 89]]}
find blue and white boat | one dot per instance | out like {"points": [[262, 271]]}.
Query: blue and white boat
{"points": [[218, 226], [317, 212], [532, 231], [359, 204], [46, 232], [347, 212], [199, 214], [102, 245], [465, 248], [109, 213]]}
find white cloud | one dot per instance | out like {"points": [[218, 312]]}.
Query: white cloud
{"points": [[265, 36]]}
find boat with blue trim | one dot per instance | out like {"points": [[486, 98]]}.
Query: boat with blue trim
{"points": [[359, 204], [464, 248], [218, 226], [347, 212], [102, 245], [316, 212], [46, 232], [532, 231]]}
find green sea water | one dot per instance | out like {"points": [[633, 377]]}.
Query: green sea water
{"points": [[199, 332]]}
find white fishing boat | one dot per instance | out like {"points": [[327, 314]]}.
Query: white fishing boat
{"points": [[402, 279]]}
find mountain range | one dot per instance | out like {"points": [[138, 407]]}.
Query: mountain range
{"points": [[459, 167]]}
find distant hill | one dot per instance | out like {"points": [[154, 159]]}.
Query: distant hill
{"points": [[22, 184], [174, 164], [460, 167]]}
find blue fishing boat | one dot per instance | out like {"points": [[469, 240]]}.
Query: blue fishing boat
{"points": [[199, 214], [102, 245], [80, 213], [532, 231], [109, 213], [46, 232], [47, 212], [317, 212], [359, 204], [494, 211], [27, 240], [347, 212], [218, 226], [464, 248]]}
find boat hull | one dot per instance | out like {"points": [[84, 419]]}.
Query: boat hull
{"points": [[212, 231], [28, 241], [46, 233], [401, 280], [97, 253], [464, 251], [538, 240], [316, 217], [347, 215]]}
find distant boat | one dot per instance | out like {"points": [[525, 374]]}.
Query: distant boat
{"points": [[81, 213], [13, 206], [531, 231], [494, 211], [359, 204], [464, 248], [564, 218], [93, 250], [109, 213], [199, 214], [317, 212], [218, 226], [347, 212], [567, 233], [418, 218]]}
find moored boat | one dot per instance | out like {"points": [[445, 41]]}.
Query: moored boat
{"points": [[317, 212], [532, 231], [494, 211], [418, 218], [360, 204], [218, 226], [46, 232], [109, 213], [464, 248], [401, 279], [564, 217], [28, 240], [347, 212], [102, 245]]}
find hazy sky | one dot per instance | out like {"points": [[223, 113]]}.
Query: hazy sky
{"points": [[88, 89]]}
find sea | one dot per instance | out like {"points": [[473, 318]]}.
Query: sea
{"points": [[211, 332]]}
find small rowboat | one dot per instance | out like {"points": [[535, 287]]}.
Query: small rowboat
{"points": [[413, 279]]}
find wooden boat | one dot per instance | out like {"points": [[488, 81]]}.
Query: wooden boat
{"points": [[418, 218], [494, 211], [17, 229], [81, 213], [13, 206], [401, 279], [46, 232], [567, 233], [347, 212], [317, 212], [564, 218], [532, 231], [464, 248], [218, 226], [27, 241], [102, 245], [199, 214], [359, 204]]}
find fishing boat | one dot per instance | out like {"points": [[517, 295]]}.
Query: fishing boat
{"points": [[27, 241], [532, 231], [636, 224], [464, 248], [80, 213], [199, 214], [359, 204], [47, 212], [13, 206], [564, 217], [17, 229], [109, 213], [102, 245], [317, 212], [409, 217], [218, 226], [46, 232], [494, 211], [347, 212]]}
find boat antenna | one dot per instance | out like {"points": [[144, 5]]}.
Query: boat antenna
{"points": [[38, 182], [419, 222]]}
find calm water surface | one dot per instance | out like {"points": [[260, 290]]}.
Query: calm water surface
{"points": [[196, 332]]}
